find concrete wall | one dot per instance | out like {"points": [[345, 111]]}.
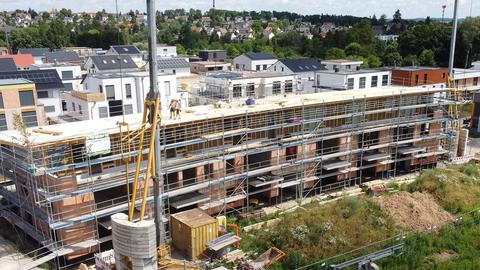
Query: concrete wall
{"points": [[242, 62], [339, 80]]}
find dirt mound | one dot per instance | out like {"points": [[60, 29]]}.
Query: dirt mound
{"points": [[417, 211]]}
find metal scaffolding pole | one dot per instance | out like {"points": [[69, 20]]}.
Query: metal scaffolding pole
{"points": [[152, 64]]}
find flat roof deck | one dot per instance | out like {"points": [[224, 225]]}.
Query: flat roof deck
{"points": [[73, 130]]}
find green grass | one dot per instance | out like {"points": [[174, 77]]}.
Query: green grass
{"points": [[456, 188], [463, 242], [318, 232], [321, 231]]}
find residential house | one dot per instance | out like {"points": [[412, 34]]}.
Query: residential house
{"points": [[420, 76], [129, 50], [141, 18], [305, 31], [80, 51], [71, 75], [19, 97], [342, 64], [242, 33], [304, 68], [37, 53], [48, 87], [352, 79], [110, 63], [254, 61], [174, 65], [387, 37], [203, 67], [113, 94], [268, 33], [22, 61], [164, 50], [379, 30], [62, 57], [240, 86], [327, 27], [466, 78], [213, 55], [7, 64]]}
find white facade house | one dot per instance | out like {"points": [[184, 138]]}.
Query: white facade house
{"points": [[342, 64], [228, 85], [174, 65], [114, 94], [71, 75], [304, 69], [352, 79], [110, 64], [254, 61], [387, 37], [129, 50], [164, 50]]}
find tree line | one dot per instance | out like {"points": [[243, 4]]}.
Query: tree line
{"points": [[419, 43]]}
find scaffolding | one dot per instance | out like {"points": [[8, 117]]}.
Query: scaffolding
{"points": [[226, 161]]}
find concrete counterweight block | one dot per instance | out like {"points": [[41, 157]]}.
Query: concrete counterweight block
{"points": [[135, 241]]}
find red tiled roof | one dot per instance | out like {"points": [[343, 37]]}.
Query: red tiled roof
{"points": [[21, 60]]}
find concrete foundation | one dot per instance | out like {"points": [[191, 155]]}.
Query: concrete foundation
{"points": [[134, 243]]}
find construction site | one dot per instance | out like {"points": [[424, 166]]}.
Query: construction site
{"points": [[64, 182]]}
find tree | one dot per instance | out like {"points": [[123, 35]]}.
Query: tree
{"points": [[428, 20], [383, 19], [397, 17], [353, 49], [410, 60], [374, 61], [392, 57], [427, 58], [180, 49], [335, 53], [257, 27], [57, 35], [45, 16]]}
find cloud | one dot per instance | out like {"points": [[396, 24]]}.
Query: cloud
{"points": [[409, 8]]}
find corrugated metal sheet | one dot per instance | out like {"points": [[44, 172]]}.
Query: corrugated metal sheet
{"points": [[191, 236]]}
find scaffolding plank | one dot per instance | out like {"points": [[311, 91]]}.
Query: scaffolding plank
{"points": [[375, 157], [260, 182], [411, 150], [188, 200], [221, 202], [429, 154], [335, 165]]}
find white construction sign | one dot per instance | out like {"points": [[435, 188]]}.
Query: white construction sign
{"points": [[98, 144]]}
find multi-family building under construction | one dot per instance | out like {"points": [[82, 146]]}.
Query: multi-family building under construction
{"points": [[63, 182]]}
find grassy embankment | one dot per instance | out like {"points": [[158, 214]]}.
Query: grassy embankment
{"points": [[317, 232]]}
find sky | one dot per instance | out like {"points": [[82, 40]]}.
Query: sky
{"points": [[408, 8]]}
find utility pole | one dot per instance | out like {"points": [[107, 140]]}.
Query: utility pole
{"points": [[453, 40], [152, 64]]}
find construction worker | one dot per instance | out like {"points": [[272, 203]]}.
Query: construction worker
{"points": [[178, 108], [173, 107]]}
